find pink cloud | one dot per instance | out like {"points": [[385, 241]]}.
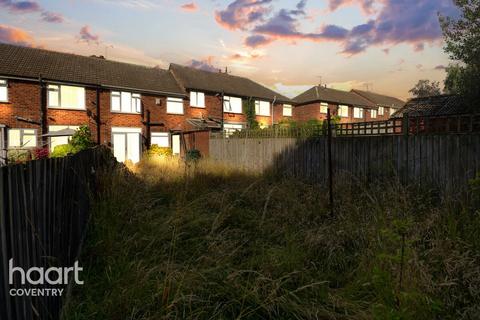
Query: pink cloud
{"points": [[189, 7], [240, 14], [15, 36], [205, 64], [88, 36], [20, 6], [52, 17]]}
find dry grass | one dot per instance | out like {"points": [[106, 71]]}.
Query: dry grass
{"points": [[210, 242]]}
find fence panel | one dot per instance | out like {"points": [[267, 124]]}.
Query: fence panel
{"points": [[44, 209]]}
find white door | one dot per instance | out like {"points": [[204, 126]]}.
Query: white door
{"points": [[176, 144], [126, 144]]}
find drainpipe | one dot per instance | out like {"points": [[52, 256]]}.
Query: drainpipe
{"points": [[273, 107], [223, 111], [43, 112], [98, 120], [148, 131]]}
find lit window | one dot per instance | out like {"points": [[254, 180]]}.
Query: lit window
{"points": [[232, 104], [373, 113], [287, 110], [323, 107], [3, 91], [381, 111], [56, 141], [262, 108], [230, 128], [161, 139], [358, 113], [126, 102], [174, 105], [22, 138], [343, 111], [67, 97], [197, 99]]}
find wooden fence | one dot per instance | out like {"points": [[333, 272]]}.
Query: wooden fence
{"points": [[44, 209], [444, 159]]}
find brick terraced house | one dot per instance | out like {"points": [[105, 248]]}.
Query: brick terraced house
{"points": [[386, 105]]}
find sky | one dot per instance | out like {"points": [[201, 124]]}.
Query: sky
{"points": [[384, 46]]}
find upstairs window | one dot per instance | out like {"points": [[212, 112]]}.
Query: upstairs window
{"points": [[381, 111], [22, 138], [373, 114], [126, 102], [262, 108], [174, 105], [323, 107], [343, 111], [358, 113], [66, 97], [3, 90], [232, 104], [287, 110], [197, 99]]}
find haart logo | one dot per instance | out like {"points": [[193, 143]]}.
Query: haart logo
{"points": [[54, 276]]}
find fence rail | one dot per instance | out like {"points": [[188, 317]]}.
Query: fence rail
{"points": [[44, 209]]}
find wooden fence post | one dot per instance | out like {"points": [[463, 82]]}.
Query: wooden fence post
{"points": [[406, 129], [330, 170]]}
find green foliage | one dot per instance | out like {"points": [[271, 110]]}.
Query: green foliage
{"points": [[425, 88], [82, 139], [462, 38], [158, 151], [249, 107], [453, 82], [63, 150], [18, 156], [193, 155]]}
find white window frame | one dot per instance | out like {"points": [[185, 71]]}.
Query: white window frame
{"points": [[381, 111], [340, 111], [171, 102], [288, 107], [22, 138], [230, 128], [358, 113], [261, 107], [227, 102], [4, 86], [58, 88], [373, 113], [135, 102], [197, 99], [324, 107], [160, 135]]}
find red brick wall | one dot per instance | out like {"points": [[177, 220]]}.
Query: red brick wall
{"points": [[24, 101], [311, 111]]}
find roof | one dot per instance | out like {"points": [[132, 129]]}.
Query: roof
{"points": [[380, 99], [320, 93], [33, 63], [196, 79], [434, 106], [201, 124]]}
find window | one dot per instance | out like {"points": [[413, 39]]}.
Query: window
{"points": [[358, 113], [3, 90], [380, 111], [262, 108], [161, 139], [343, 111], [230, 128], [57, 141], [126, 102], [22, 138], [174, 105], [287, 110], [373, 114], [323, 107], [232, 104], [197, 99], [67, 97]]}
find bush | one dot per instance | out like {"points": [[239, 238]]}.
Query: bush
{"points": [[155, 150], [40, 153], [82, 139], [18, 156], [193, 155], [63, 150]]}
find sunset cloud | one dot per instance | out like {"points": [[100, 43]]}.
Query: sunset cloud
{"points": [[205, 64], [241, 14], [15, 36], [88, 36], [52, 17], [189, 7], [20, 6]]}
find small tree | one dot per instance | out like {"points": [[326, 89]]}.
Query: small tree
{"points": [[425, 88], [249, 107], [454, 81]]}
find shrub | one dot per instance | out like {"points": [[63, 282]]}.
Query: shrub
{"points": [[40, 153], [82, 139], [193, 155], [63, 150], [18, 156], [155, 150]]}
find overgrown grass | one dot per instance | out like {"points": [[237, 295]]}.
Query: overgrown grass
{"points": [[169, 242]]}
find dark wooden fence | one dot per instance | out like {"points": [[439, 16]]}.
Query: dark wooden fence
{"points": [[44, 209], [445, 159]]}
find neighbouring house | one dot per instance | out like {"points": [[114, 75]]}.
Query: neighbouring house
{"points": [[348, 106], [44, 91], [386, 105], [442, 113]]}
